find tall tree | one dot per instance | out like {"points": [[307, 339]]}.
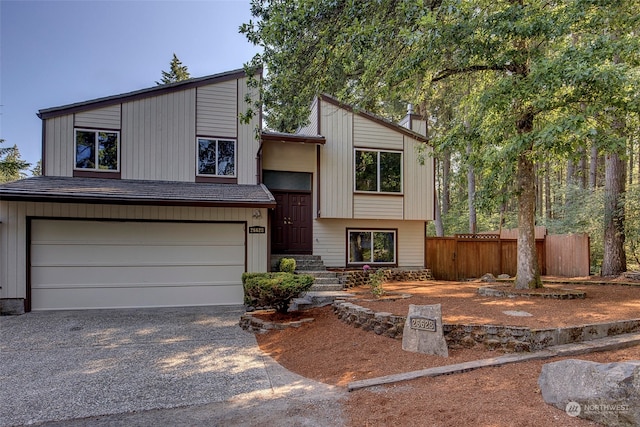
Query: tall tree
{"points": [[177, 72], [530, 79], [12, 167]]}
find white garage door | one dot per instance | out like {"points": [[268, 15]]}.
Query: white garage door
{"points": [[108, 264]]}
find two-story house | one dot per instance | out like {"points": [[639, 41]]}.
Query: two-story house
{"points": [[163, 197]]}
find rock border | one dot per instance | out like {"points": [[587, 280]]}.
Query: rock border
{"points": [[507, 338], [501, 291], [250, 323]]}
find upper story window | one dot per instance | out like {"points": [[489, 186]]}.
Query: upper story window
{"points": [[216, 157], [97, 150], [378, 171]]}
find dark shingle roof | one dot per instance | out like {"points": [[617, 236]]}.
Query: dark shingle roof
{"points": [[115, 191]]}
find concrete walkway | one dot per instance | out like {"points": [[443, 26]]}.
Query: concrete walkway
{"points": [[169, 366]]}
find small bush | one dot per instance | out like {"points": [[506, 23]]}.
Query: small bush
{"points": [[287, 265], [274, 289], [375, 283]]}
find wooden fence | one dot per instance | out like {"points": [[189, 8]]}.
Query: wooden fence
{"points": [[473, 255]]}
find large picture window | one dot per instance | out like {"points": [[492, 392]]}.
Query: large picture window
{"points": [[378, 171], [97, 150], [216, 157], [372, 246]]}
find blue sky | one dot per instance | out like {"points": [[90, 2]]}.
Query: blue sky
{"points": [[55, 53]]}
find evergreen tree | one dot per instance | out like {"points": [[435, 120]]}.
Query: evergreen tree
{"points": [[177, 72], [12, 167]]}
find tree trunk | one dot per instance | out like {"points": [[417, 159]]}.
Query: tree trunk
{"points": [[446, 181], [471, 194], [582, 168], [438, 219], [614, 261], [630, 162], [547, 191], [528, 274], [593, 168]]}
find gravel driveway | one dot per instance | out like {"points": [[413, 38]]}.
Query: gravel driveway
{"points": [[65, 365]]}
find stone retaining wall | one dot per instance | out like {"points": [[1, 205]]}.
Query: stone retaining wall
{"points": [[352, 279], [507, 338], [250, 323]]}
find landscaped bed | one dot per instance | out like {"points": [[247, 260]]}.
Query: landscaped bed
{"points": [[334, 352]]}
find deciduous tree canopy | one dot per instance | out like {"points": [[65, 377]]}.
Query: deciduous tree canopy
{"points": [[530, 80]]}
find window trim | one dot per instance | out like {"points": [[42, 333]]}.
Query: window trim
{"points": [[394, 263], [217, 140], [378, 151], [95, 169]]}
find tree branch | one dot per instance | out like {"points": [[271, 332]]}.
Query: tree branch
{"points": [[448, 72]]}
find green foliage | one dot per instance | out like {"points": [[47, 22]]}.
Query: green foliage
{"points": [[176, 73], [37, 169], [12, 167], [376, 279], [274, 289], [287, 265]]}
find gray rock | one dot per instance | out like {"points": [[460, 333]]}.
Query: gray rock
{"points": [[607, 393], [504, 276], [423, 331], [489, 278]]}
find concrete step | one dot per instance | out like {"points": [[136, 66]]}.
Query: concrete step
{"points": [[313, 299], [326, 280], [320, 274], [327, 287]]}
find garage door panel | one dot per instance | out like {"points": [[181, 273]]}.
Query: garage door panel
{"points": [[61, 299], [133, 276], [106, 264], [125, 255]]}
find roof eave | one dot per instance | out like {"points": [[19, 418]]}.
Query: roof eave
{"points": [[63, 198]]}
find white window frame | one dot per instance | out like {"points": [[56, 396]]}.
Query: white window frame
{"points": [[378, 191], [97, 153], [372, 231], [217, 140]]}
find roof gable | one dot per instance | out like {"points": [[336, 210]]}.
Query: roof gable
{"points": [[370, 116], [142, 93]]}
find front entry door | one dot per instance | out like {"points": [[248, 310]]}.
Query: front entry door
{"points": [[291, 227]]}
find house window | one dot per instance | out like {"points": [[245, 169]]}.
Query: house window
{"points": [[372, 246], [216, 157], [378, 171], [97, 150]]}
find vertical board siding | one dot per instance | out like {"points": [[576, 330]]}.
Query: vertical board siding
{"points": [[567, 255], [367, 133], [102, 118], [311, 128], [418, 182], [330, 240], [246, 167], [336, 160], [59, 146], [367, 206], [13, 262], [158, 138], [217, 109]]}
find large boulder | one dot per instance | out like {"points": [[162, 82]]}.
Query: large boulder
{"points": [[607, 393]]}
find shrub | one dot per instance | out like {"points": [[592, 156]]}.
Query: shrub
{"points": [[287, 265], [274, 289], [375, 282]]}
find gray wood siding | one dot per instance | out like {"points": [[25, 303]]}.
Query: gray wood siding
{"points": [[59, 145], [330, 240], [158, 138], [13, 238], [336, 159], [367, 133], [247, 167], [217, 109], [312, 127], [102, 118], [418, 182], [375, 206]]}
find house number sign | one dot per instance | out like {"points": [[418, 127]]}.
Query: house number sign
{"points": [[257, 230], [423, 324]]}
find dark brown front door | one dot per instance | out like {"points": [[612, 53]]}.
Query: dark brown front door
{"points": [[291, 227]]}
